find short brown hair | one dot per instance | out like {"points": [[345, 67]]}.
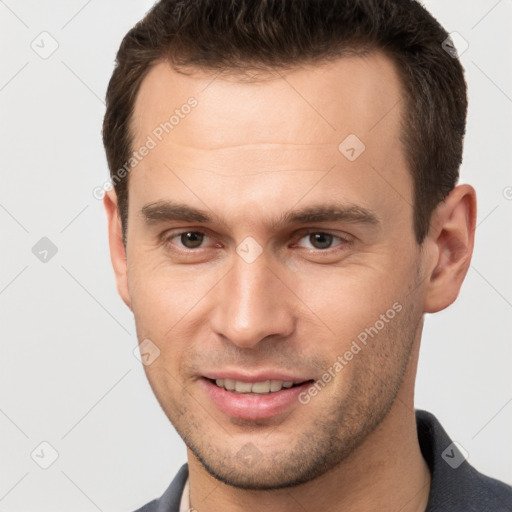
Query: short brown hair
{"points": [[242, 34]]}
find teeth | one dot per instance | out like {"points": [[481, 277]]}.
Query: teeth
{"points": [[229, 384], [267, 386], [243, 387], [275, 385], [260, 387]]}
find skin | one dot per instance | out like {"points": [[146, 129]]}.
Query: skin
{"points": [[252, 150]]}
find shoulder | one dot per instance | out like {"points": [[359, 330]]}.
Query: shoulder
{"points": [[455, 484], [170, 499]]}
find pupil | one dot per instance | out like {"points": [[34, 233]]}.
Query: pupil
{"points": [[320, 240], [191, 239]]}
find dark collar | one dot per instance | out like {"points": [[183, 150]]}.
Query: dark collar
{"points": [[455, 484]]}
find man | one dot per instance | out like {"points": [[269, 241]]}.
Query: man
{"points": [[285, 211]]}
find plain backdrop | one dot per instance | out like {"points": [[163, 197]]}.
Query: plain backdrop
{"points": [[68, 374]]}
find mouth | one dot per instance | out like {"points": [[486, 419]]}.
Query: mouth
{"points": [[254, 400], [260, 388]]}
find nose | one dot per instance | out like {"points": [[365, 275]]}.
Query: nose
{"points": [[253, 304]]}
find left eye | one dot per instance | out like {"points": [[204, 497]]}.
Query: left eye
{"points": [[189, 239], [320, 240]]}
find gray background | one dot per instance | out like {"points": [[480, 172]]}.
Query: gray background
{"points": [[68, 373]]}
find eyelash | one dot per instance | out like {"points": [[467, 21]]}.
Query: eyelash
{"points": [[343, 241]]}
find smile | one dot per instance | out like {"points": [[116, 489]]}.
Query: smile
{"points": [[264, 387], [253, 400]]}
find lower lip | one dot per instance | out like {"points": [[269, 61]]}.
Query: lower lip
{"points": [[253, 406]]}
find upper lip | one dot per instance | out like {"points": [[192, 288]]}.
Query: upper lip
{"points": [[260, 376]]}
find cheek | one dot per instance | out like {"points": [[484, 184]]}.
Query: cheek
{"points": [[163, 295], [348, 300]]}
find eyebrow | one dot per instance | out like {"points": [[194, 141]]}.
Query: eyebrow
{"points": [[165, 211]]}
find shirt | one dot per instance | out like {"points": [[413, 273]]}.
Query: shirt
{"points": [[185, 498]]}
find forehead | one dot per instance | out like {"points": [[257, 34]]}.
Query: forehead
{"points": [[283, 129], [321, 100]]}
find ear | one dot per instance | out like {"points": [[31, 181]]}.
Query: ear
{"points": [[117, 248], [450, 247]]}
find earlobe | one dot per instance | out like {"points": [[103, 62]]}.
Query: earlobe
{"points": [[451, 239], [117, 248]]}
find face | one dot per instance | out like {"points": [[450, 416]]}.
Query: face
{"points": [[267, 245]]}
